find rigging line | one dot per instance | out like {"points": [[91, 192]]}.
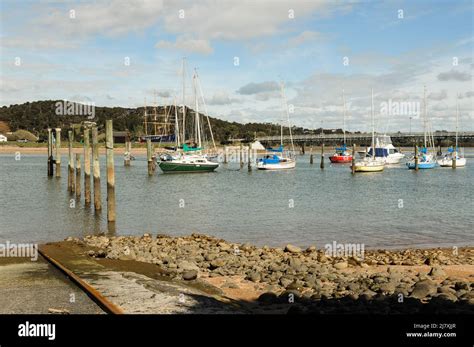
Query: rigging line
{"points": [[205, 110], [288, 116]]}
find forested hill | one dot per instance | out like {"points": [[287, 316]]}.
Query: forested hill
{"points": [[37, 116]]}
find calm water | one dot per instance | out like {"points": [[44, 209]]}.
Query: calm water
{"points": [[436, 206]]}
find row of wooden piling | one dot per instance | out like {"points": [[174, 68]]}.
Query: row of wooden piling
{"points": [[75, 171]]}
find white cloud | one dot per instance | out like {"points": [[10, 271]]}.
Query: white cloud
{"points": [[222, 98], [187, 45], [454, 75], [112, 17], [256, 88], [239, 20], [438, 96]]}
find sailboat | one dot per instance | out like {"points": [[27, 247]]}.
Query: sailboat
{"points": [[191, 159], [426, 160], [274, 159], [342, 155], [370, 163], [447, 160], [385, 150]]}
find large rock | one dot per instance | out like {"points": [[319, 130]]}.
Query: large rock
{"points": [[437, 272], [341, 265], [295, 264], [268, 298], [216, 264], [292, 249], [224, 246], [187, 266], [388, 287], [461, 285], [424, 288], [254, 276], [447, 297], [190, 275], [285, 281]]}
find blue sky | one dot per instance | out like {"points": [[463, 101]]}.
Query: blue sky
{"points": [[301, 43]]}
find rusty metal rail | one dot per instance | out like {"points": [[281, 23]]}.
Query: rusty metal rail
{"points": [[97, 297]]}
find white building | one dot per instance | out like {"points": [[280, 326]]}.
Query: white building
{"points": [[3, 138]]}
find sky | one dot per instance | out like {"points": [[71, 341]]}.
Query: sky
{"points": [[117, 53]]}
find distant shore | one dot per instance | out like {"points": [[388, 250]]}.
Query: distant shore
{"points": [[140, 149], [242, 278]]}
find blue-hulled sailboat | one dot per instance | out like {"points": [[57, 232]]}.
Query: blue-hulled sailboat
{"points": [[274, 159], [426, 160]]}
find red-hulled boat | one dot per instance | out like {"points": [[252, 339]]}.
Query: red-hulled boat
{"points": [[341, 156]]}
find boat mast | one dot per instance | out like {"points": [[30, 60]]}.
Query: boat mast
{"points": [[281, 123], [373, 127], [145, 116], [176, 123], [424, 114], [344, 116], [184, 101], [154, 111], [197, 126], [206, 111], [285, 104], [457, 123]]}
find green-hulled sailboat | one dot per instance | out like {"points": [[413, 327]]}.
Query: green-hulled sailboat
{"points": [[190, 159]]}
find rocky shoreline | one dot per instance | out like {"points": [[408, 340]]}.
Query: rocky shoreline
{"points": [[293, 280]]}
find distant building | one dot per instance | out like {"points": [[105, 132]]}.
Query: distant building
{"points": [[120, 136], [3, 138]]}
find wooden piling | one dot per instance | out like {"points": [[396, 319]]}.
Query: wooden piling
{"points": [[87, 167], [96, 169], [416, 157], [50, 153], [78, 176], [225, 154], [311, 155], [453, 162], [302, 149], [353, 170], [71, 180], [149, 156], [128, 149], [249, 162], [241, 156], [58, 152], [322, 156], [109, 145]]}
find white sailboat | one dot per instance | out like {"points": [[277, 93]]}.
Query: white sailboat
{"points": [[274, 159], [447, 160], [370, 163], [191, 159], [426, 160], [385, 150]]}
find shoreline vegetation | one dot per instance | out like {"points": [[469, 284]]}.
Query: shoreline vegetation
{"points": [[203, 274]]}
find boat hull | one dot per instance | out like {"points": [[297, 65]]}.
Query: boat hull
{"points": [[173, 167], [460, 162], [393, 158], [421, 166], [365, 168], [277, 166], [340, 159]]}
